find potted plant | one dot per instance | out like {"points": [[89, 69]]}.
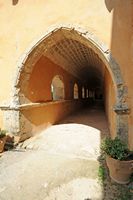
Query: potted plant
{"points": [[2, 139], [119, 159]]}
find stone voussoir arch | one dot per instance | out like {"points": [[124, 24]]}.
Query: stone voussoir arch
{"points": [[33, 54]]}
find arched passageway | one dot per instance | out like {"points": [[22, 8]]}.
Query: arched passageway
{"points": [[76, 91], [77, 57]]}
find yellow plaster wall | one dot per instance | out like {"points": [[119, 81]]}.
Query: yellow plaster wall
{"points": [[49, 113], [109, 99], [39, 86], [122, 49]]}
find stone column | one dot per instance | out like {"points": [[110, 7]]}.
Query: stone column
{"points": [[122, 113]]}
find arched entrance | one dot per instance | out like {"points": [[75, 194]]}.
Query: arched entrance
{"points": [[57, 88], [82, 58], [75, 91]]}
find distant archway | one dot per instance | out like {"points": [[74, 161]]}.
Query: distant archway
{"points": [[57, 88], [76, 91]]}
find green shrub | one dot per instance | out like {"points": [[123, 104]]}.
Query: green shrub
{"points": [[101, 173], [2, 133], [115, 148]]}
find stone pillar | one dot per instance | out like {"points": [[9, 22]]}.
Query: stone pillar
{"points": [[11, 119], [122, 112]]}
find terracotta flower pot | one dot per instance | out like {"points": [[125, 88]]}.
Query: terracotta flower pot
{"points": [[119, 171], [2, 143]]}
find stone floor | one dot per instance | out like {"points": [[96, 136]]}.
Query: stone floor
{"points": [[59, 164], [79, 135]]}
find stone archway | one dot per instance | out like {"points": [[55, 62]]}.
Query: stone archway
{"points": [[76, 36], [75, 91], [57, 88]]}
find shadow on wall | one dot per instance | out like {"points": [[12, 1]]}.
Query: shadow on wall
{"points": [[110, 4], [14, 2]]}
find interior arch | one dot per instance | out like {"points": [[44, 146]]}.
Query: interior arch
{"points": [[76, 92], [57, 88]]}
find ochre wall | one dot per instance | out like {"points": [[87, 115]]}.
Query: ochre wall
{"points": [[109, 99], [39, 87], [39, 118], [122, 49]]}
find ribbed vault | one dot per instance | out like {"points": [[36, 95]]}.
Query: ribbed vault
{"points": [[79, 60]]}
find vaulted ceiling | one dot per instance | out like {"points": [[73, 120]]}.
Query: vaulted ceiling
{"points": [[76, 58], [73, 52]]}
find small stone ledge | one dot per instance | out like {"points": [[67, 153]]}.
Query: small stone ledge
{"points": [[123, 109], [35, 105]]}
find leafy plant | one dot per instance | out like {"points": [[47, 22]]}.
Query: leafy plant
{"points": [[2, 133], [101, 173], [115, 148]]}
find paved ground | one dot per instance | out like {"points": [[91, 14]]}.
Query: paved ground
{"points": [[59, 164]]}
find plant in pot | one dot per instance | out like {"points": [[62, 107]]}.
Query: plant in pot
{"points": [[2, 139], [119, 159]]}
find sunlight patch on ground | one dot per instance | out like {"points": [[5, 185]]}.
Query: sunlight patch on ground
{"points": [[74, 139], [77, 189]]}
